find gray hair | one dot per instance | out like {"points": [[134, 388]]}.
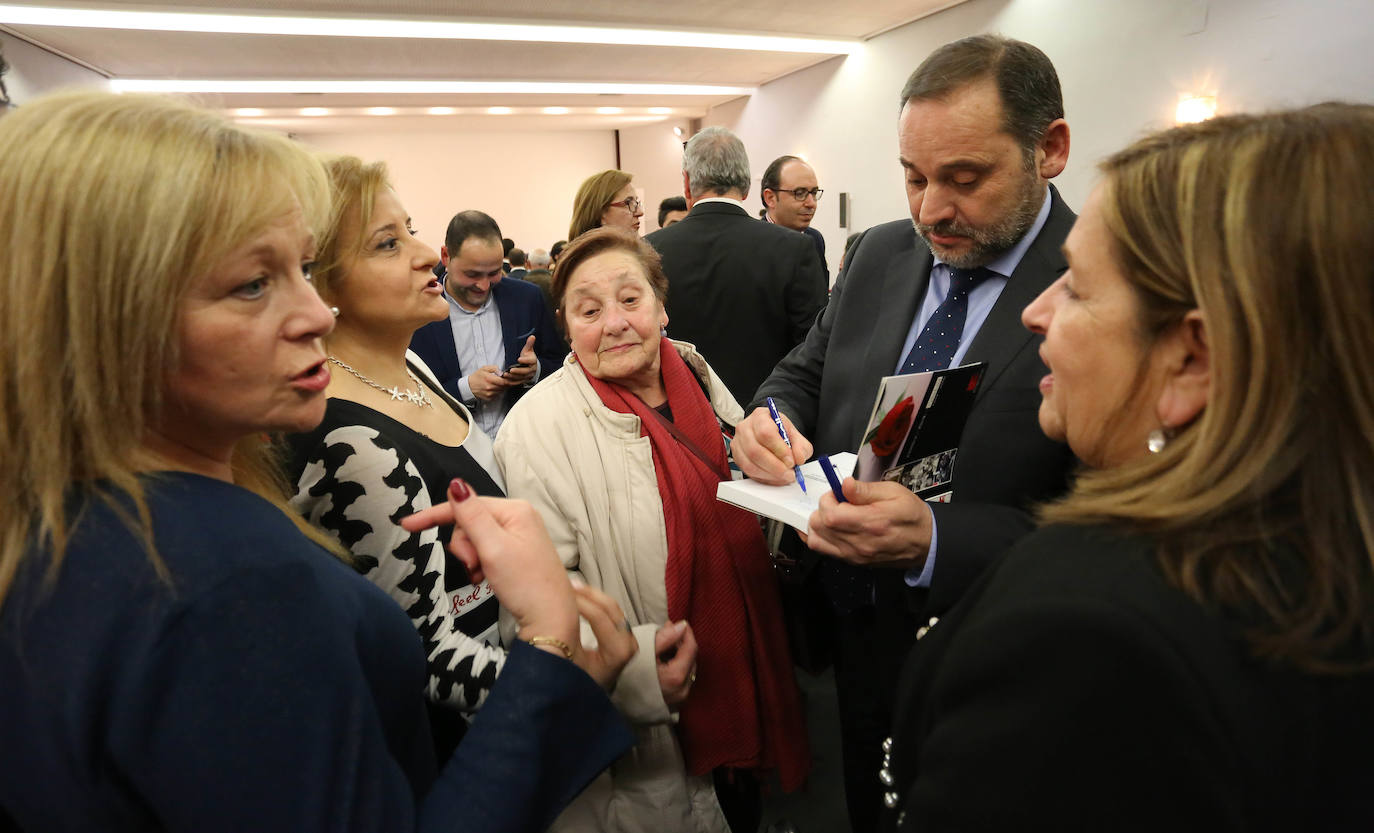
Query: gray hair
{"points": [[540, 259], [715, 163]]}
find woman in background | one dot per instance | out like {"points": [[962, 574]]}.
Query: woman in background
{"points": [[605, 199], [621, 450], [179, 651], [1190, 644], [392, 439]]}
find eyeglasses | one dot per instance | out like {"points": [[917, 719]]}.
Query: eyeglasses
{"points": [[630, 204], [800, 194]]}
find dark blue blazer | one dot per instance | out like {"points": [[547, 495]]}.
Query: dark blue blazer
{"points": [[523, 311]]}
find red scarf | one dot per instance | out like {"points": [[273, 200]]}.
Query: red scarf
{"points": [[743, 710]]}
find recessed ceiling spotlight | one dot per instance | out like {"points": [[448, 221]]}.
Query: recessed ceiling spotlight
{"points": [[250, 112], [314, 111], [395, 87], [499, 111], [354, 27], [609, 111], [381, 111], [661, 111], [441, 111], [555, 111]]}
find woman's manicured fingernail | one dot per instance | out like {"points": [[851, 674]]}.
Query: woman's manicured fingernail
{"points": [[458, 490]]}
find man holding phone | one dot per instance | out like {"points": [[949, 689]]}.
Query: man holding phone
{"points": [[499, 338]]}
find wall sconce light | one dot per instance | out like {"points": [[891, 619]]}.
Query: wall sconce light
{"points": [[677, 131], [1195, 108]]}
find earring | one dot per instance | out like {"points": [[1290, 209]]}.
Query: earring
{"points": [[334, 310], [663, 332], [1156, 441]]}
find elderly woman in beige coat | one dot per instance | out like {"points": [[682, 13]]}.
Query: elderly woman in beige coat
{"points": [[620, 450]]}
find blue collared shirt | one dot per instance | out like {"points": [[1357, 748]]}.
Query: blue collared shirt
{"points": [[479, 340], [980, 303]]}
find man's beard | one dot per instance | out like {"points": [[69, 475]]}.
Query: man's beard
{"points": [[991, 242]]}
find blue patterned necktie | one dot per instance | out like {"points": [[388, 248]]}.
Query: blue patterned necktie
{"points": [[939, 339], [848, 587]]}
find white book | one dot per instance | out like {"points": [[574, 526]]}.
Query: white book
{"points": [[787, 503]]}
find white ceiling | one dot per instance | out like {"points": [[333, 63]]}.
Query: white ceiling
{"points": [[128, 54]]}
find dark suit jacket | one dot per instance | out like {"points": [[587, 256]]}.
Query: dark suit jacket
{"points": [[1075, 690], [819, 240], [827, 385], [742, 291], [522, 310]]}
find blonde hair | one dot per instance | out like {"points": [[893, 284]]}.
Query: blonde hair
{"points": [[109, 207], [1264, 505], [354, 186], [595, 193]]}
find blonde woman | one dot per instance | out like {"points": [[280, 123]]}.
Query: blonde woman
{"points": [[178, 653], [392, 439], [1190, 645], [605, 199]]}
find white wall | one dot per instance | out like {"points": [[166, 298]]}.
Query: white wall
{"points": [[35, 71], [525, 180], [653, 153], [1122, 63]]}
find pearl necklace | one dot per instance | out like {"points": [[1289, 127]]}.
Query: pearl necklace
{"points": [[415, 397]]}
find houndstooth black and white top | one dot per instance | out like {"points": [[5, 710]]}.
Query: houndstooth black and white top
{"points": [[357, 474]]}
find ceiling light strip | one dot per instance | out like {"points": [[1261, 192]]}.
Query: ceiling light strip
{"points": [[430, 29], [179, 85]]}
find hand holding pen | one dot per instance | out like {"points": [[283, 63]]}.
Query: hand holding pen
{"points": [[761, 454], [782, 432]]}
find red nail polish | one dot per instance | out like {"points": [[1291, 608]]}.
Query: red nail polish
{"points": [[458, 490]]}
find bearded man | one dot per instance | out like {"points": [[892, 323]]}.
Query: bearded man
{"points": [[981, 132]]}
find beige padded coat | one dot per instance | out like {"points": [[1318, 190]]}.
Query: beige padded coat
{"points": [[590, 475]]}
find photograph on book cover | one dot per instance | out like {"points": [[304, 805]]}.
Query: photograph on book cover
{"points": [[925, 473], [894, 413]]}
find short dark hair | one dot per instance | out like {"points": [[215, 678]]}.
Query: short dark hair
{"points": [[1025, 79], [557, 249], [506, 245], [517, 256], [599, 241], [467, 224], [670, 204], [772, 175]]}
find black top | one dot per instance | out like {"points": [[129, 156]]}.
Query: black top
{"points": [[1076, 689], [260, 685]]}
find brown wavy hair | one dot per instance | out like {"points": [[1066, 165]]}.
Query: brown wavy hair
{"points": [[1263, 507], [595, 193]]}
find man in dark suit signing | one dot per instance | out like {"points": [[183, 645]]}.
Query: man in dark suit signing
{"points": [[742, 291], [981, 132], [499, 337]]}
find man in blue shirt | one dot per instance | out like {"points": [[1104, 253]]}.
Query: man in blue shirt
{"points": [[981, 132], [499, 337]]}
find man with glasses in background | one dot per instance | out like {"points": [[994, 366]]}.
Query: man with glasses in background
{"points": [[744, 292], [790, 194]]}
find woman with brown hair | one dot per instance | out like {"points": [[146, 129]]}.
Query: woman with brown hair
{"points": [[621, 450], [605, 199], [1189, 643]]}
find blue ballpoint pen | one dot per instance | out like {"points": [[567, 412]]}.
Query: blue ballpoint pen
{"points": [[782, 432], [832, 477]]}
